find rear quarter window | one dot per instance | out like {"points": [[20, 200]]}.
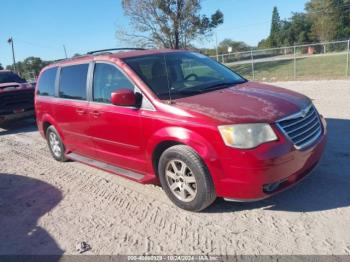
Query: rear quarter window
{"points": [[73, 81], [46, 84]]}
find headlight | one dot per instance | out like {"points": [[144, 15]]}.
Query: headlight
{"points": [[247, 135]]}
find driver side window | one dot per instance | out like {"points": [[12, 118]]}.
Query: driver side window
{"points": [[191, 67], [107, 79]]}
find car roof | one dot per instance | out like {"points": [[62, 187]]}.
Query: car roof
{"points": [[135, 53], [113, 56]]}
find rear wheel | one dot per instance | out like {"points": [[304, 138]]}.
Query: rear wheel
{"points": [[186, 179], [55, 143]]}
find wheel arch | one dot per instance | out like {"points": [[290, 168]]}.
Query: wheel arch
{"points": [[159, 150], [47, 121], [46, 125], [171, 136]]}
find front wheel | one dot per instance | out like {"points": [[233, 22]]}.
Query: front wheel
{"points": [[185, 178]]}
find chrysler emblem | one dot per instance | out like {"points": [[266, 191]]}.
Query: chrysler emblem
{"points": [[304, 112]]}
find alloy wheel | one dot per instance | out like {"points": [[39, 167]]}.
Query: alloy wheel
{"points": [[55, 144], [181, 181]]}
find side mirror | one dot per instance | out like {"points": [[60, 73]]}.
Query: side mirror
{"points": [[123, 97]]}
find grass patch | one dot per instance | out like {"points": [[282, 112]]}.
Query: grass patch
{"points": [[309, 68]]}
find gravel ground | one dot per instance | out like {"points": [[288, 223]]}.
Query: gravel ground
{"points": [[48, 207]]}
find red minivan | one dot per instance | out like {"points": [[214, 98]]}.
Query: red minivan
{"points": [[181, 119]]}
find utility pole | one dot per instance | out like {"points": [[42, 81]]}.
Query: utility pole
{"points": [[10, 41], [65, 51]]}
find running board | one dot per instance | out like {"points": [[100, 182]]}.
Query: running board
{"points": [[107, 167]]}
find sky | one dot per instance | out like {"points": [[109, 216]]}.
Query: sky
{"points": [[41, 27]]}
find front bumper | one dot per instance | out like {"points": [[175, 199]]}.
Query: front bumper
{"points": [[268, 170], [16, 116]]}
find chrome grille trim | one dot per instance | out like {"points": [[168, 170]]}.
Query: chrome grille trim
{"points": [[297, 122], [304, 125], [305, 131], [302, 128], [318, 130]]}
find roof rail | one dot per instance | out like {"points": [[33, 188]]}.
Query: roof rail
{"points": [[114, 49]]}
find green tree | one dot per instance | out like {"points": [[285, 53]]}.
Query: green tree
{"points": [[237, 46], [274, 39], [324, 20], [330, 19], [300, 29], [1, 67], [167, 23], [295, 30], [323, 24], [264, 43], [276, 26], [30, 67]]}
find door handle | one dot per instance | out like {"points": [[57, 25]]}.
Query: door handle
{"points": [[80, 111], [96, 113]]}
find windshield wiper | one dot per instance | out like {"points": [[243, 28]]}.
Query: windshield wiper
{"points": [[191, 91], [219, 86]]}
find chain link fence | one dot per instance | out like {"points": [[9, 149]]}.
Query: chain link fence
{"points": [[319, 61]]}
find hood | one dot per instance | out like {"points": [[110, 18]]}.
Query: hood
{"points": [[245, 103], [4, 87]]}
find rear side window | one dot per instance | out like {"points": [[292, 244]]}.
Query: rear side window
{"points": [[46, 85], [73, 81], [107, 79]]}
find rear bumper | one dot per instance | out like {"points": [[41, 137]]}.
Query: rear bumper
{"points": [[16, 116], [267, 171]]}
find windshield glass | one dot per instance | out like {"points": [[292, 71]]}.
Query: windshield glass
{"points": [[10, 77], [176, 75]]}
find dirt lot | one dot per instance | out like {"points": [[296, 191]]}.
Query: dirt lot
{"points": [[49, 207]]}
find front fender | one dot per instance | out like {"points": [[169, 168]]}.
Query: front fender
{"points": [[190, 138]]}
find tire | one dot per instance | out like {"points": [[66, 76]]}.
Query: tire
{"points": [[56, 147], [185, 178]]}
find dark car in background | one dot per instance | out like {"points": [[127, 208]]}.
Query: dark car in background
{"points": [[16, 97]]}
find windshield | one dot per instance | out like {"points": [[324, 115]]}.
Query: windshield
{"points": [[181, 74], [10, 77]]}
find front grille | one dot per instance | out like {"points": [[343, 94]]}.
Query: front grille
{"points": [[302, 128], [10, 101]]}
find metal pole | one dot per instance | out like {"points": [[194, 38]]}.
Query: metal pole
{"points": [[347, 59], [10, 41], [295, 62], [217, 52], [65, 51], [252, 58]]}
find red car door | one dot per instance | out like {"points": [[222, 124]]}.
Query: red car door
{"points": [[116, 131], [71, 109]]}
